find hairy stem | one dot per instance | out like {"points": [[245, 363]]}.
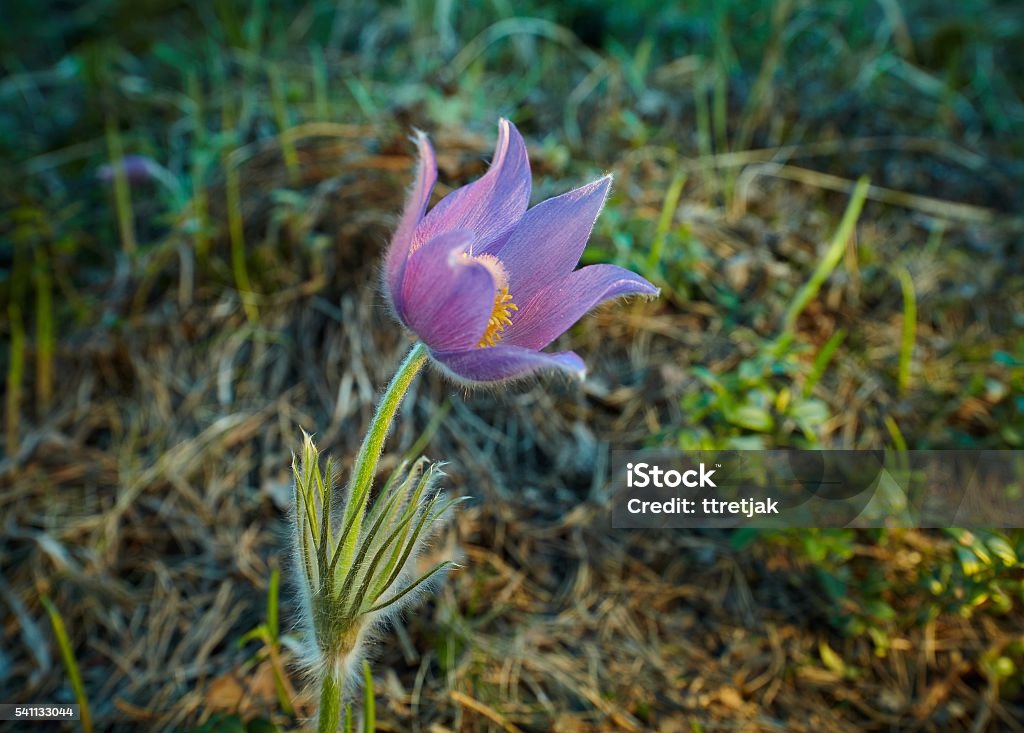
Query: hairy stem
{"points": [[373, 443], [330, 703]]}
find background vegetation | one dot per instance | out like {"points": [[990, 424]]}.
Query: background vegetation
{"points": [[168, 325]]}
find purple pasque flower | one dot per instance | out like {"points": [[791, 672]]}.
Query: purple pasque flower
{"points": [[484, 282]]}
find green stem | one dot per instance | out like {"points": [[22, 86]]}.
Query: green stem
{"points": [[330, 704], [373, 443], [122, 194], [236, 233]]}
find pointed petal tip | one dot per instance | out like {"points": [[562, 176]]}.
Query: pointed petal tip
{"points": [[603, 183], [510, 143], [649, 291], [422, 141], [510, 140], [600, 187], [419, 137], [551, 312], [572, 365], [399, 248], [635, 285]]}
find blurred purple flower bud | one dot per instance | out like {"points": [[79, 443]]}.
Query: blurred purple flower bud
{"points": [[137, 169]]}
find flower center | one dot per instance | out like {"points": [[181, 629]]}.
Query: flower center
{"points": [[500, 317], [501, 311]]}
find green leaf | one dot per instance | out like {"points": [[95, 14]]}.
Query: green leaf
{"points": [[831, 660], [751, 417], [810, 413], [969, 562], [261, 633], [272, 627], [408, 589], [261, 725], [879, 609], [357, 564], [1003, 550], [743, 537]]}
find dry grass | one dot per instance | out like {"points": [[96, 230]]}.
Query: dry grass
{"points": [[149, 503]]}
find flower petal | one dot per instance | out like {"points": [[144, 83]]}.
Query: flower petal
{"points": [[500, 363], [550, 312], [401, 241], [446, 299], [549, 240], [491, 205]]}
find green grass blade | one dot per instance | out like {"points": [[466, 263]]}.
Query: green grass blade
{"points": [[68, 654], [909, 333], [822, 360], [319, 66], [703, 115], [362, 97], [236, 233], [122, 194], [268, 633], [428, 433], [827, 264], [200, 202], [15, 375], [44, 329], [720, 126], [719, 106], [898, 441], [668, 211], [280, 107], [201, 211], [272, 594]]}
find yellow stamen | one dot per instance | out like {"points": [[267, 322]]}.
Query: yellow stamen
{"points": [[500, 317]]}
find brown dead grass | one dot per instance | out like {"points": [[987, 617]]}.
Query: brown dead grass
{"points": [[149, 503]]}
